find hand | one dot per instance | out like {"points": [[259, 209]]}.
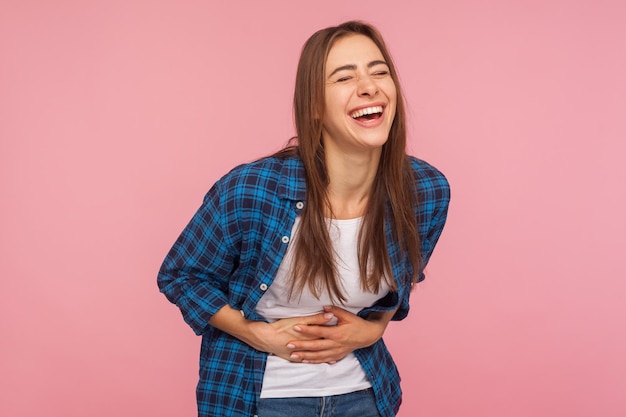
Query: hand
{"points": [[329, 344], [275, 337]]}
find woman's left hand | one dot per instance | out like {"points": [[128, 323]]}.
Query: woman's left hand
{"points": [[332, 343]]}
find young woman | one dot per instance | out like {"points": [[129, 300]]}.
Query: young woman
{"points": [[295, 264]]}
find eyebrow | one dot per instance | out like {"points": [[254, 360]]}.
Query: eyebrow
{"points": [[352, 67]]}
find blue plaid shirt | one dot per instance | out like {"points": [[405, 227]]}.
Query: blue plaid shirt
{"points": [[229, 254]]}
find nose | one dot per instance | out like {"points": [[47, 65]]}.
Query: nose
{"points": [[366, 86]]}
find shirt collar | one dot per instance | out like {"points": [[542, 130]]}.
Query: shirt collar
{"points": [[292, 183]]}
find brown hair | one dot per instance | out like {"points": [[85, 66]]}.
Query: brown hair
{"points": [[393, 191]]}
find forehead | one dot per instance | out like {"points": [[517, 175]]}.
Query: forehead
{"points": [[352, 49]]}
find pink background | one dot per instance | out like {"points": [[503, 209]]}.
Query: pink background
{"points": [[117, 116]]}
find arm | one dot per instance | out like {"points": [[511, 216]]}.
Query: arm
{"points": [[195, 272], [196, 276], [432, 210]]}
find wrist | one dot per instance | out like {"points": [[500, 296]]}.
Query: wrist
{"points": [[232, 322], [379, 322], [378, 329], [254, 333]]}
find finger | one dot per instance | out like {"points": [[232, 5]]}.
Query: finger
{"points": [[329, 359], [309, 355], [299, 346], [339, 312], [327, 356], [317, 319], [316, 332]]}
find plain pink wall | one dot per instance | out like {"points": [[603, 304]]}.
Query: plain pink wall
{"points": [[117, 116]]}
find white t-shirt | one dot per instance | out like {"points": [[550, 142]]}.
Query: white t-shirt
{"points": [[283, 378]]}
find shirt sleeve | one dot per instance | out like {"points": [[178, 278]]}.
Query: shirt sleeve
{"points": [[432, 211], [195, 273], [435, 213]]}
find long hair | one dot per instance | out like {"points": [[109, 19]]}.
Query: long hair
{"points": [[393, 195]]}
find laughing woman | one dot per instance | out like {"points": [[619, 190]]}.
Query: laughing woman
{"points": [[294, 264]]}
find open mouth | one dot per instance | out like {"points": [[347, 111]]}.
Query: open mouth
{"points": [[368, 113]]}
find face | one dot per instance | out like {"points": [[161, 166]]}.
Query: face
{"points": [[360, 96]]}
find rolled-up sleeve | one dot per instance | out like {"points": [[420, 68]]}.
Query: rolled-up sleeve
{"points": [[195, 273]]}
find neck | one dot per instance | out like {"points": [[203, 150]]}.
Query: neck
{"points": [[351, 178]]}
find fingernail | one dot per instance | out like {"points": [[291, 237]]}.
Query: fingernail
{"points": [[328, 308], [297, 328], [291, 345], [328, 316], [332, 362], [294, 356], [305, 361]]}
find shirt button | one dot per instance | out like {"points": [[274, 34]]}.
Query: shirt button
{"points": [[263, 287], [285, 239], [299, 205]]}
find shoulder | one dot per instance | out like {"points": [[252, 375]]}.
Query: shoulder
{"points": [[262, 178], [257, 172], [429, 179]]}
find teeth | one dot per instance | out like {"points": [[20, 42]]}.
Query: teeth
{"points": [[366, 111]]}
